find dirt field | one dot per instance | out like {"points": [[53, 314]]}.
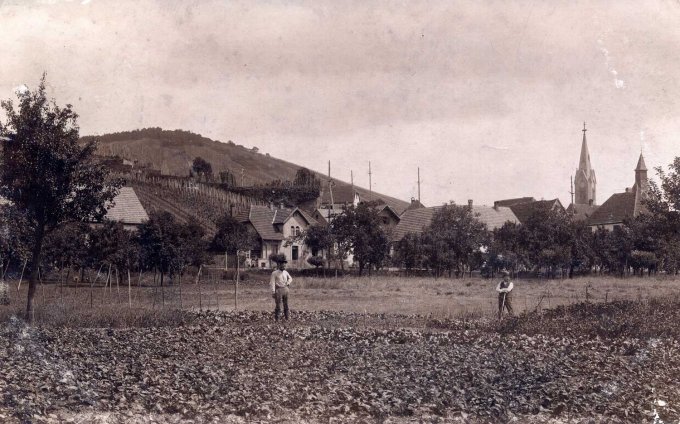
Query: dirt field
{"points": [[403, 350]]}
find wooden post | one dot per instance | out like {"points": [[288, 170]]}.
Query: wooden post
{"points": [[22, 275], [236, 283], [129, 290], [198, 281], [117, 286]]}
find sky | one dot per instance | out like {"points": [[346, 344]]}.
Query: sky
{"points": [[487, 98]]}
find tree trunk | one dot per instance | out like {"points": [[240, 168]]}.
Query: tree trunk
{"points": [[33, 278]]}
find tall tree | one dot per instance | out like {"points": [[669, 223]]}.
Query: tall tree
{"points": [[232, 236], [358, 230], [453, 238], [47, 173]]}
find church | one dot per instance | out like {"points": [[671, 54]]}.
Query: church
{"points": [[618, 207], [584, 202]]}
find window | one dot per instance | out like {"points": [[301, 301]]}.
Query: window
{"points": [[292, 230], [297, 231], [295, 254]]}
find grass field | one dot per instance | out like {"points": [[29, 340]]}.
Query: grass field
{"points": [[442, 298]]}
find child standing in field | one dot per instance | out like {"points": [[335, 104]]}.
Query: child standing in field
{"points": [[504, 289]]}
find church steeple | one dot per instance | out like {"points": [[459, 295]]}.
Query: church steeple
{"points": [[585, 175], [641, 181]]}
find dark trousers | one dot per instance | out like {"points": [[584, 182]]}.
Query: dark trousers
{"points": [[504, 300], [281, 296]]}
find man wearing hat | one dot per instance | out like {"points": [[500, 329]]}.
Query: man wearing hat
{"points": [[279, 282], [504, 289]]}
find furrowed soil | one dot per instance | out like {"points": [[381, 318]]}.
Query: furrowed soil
{"points": [[604, 362]]}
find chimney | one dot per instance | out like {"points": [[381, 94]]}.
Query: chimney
{"points": [[470, 204]]}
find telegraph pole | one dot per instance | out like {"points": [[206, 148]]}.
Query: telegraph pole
{"points": [[418, 184], [571, 191]]}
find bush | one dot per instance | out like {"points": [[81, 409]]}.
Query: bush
{"points": [[315, 261], [277, 257]]}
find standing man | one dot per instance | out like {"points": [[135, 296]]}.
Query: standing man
{"points": [[279, 282], [504, 289]]}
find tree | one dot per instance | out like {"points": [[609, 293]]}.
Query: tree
{"points": [[318, 238], [232, 236], [453, 238], [358, 230], [663, 204], [46, 173], [306, 178], [201, 167]]}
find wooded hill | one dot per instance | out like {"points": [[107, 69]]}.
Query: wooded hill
{"points": [[172, 153]]}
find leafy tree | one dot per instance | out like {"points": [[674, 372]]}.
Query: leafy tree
{"points": [[306, 178], [201, 167], [319, 239], [453, 238], [358, 230], [68, 246], [505, 250], [160, 242], [409, 252], [46, 173], [232, 236], [663, 204]]}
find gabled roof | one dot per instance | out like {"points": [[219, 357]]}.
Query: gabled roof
{"points": [[515, 201], [524, 210], [262, 219], [389, 209], [581, 212], [127, 208], [618, 207], [266, 220], [415, 220]]}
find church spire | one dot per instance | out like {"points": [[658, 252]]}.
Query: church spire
{"points": [[585, 175], [584, 162]]}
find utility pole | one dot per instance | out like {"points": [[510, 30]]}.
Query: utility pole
{"points": [[418, 184], [370, 184], [571, 191], [330, 190]]}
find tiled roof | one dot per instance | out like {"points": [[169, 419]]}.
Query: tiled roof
{"points": [[581, 212], [262, 219], [342, 193], [127, 208], [617, 208], [415, 220], [265, 220], [515, 201], [415, 204], [524, 210], [494, 217]]}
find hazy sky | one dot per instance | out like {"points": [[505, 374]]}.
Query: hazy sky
{"points": [[487, 98]]}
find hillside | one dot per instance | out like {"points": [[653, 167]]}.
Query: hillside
{"points": [[172, 152]]}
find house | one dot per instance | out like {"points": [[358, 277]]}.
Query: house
{"points": [[622, 206], [524, 210], [415, 220], [127, 209], [278, 231]]}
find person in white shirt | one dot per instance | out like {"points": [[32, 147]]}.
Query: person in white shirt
{"points": [[279, 282], [504, 289]]}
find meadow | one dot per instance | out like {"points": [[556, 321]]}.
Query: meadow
{"points": [[440, 298]]}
